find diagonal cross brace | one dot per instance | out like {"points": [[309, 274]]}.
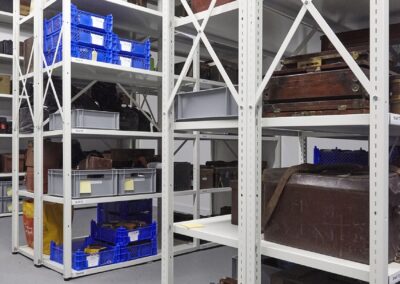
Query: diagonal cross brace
{"points": [[50, 78], [192, 52], [309, 6], [138, 106], [280, 53], [212, 53]]}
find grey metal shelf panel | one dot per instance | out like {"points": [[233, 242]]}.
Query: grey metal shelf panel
{"points": [[220, 230], [6, 17], [88, 70], [97, 200], [127, 16]]}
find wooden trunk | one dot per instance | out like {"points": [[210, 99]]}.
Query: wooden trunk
{"points": [[326, 107], [317, 86], [328, 213]]}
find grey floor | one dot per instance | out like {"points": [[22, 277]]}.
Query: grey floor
{"points": [[202, 267]]}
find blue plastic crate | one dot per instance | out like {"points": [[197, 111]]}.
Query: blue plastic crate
{"points": [[123, 236], [83, 52], [82, 260], [141, 210], [131, 47], [81, 19], [82, 37], [139, 250], [131, 61], [337, 156]]}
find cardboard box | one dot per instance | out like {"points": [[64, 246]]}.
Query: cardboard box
{"points": [[5, 84]]}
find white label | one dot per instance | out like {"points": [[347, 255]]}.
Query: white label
{"points": [[126, 46], [98, 22], [134, 236], [96, 182], [93, 260], [97, 39], [126, 62]]}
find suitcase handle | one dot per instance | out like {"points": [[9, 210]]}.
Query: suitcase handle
{"points": [[305, 168], [95, 176]]}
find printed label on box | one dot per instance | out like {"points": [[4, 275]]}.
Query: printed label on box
{"points": [[9, 191], [93, 260], [85, 187], [126, 46], [97, 39], [94, 55], [126, 62], [134, 236], [98, 22], [129, 185]]}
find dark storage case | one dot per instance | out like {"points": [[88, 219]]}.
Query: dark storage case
{"points": [[325, 209]]}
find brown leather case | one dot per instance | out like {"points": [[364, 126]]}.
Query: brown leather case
{"points": [[328, 213], [206, 178], [201, 5], [326, 107], [317, 86], [95, 163]]}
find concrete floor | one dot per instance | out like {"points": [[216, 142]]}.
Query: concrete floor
{"points": [[202, 267]]}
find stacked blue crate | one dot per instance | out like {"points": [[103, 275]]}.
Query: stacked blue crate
{"points": [[135, 243], [337, 156], [131, 53], [91, 36]]}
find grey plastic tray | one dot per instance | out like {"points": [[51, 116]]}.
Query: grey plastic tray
{"points": [[85, 184], [89, 119], [136, 181], [207, 104], [6, 189], [6, 205]]}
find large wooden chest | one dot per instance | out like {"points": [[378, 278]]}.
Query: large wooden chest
{"points": [[328, 213]]}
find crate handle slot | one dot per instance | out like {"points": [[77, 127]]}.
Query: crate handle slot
{"points": [[95, 176], [137, 175]]}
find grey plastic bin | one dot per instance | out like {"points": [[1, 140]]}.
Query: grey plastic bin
{"points": [[206, 104], [85, 184], [6, 205], [89, 119], [136, 181], [6, 189]]}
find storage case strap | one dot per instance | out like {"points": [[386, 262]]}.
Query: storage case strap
{"points": [[306, 168]]}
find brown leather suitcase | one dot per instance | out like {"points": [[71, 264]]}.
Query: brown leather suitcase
{"points": [[325, 209], [359, 38], [52, 159], [201, 5], [206, 178], [228, 281], [326, 107], [317, 86], [28, 45], [95, 163], [6, 163], [139, 2]]}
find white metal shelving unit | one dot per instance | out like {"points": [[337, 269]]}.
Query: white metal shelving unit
{"points": [[377, 127], [128, 17], [6, 18]]}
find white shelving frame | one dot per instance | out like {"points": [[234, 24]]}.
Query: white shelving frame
{"points": [[73, 68], [376, 126]]}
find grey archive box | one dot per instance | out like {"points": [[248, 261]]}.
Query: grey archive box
{"points": [[85, 184], [207, 104], [5, 189], [136, 181], [89, 119]]}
